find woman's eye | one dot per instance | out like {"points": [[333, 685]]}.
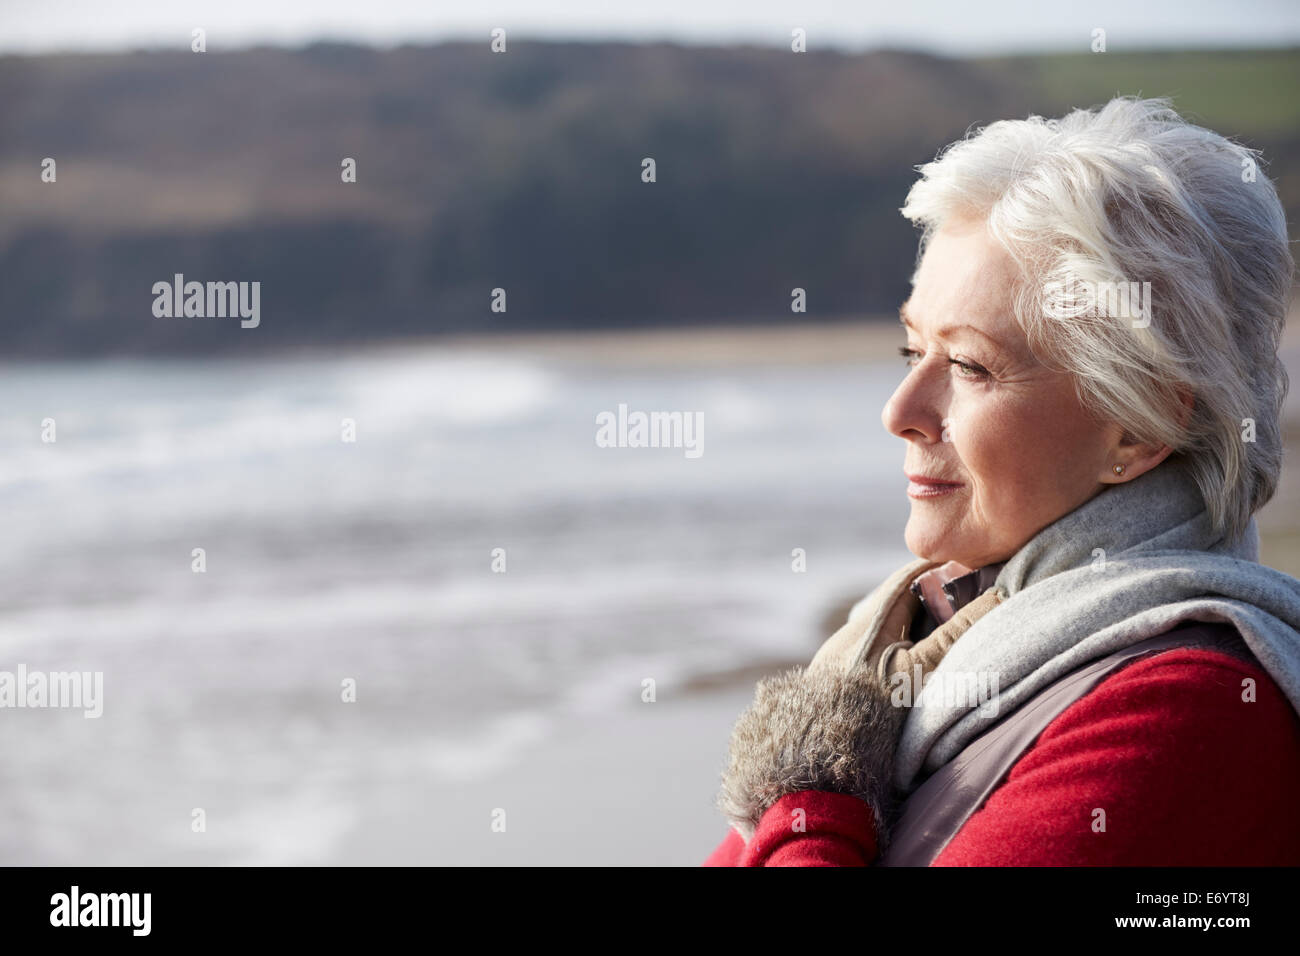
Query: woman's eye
{"points": [[911, 355], [969, 370]]}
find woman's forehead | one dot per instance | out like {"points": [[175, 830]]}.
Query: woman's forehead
{"points": [[964, 285]]}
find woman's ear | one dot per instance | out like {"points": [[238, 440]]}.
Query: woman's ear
{"points": [[1138, 458]]}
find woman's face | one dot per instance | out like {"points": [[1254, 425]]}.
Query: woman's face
{"points": [[1007, 431]]}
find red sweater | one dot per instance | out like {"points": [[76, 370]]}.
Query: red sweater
{"points": [[1187, 772]]}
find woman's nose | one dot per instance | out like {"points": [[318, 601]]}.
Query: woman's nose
{"points": [[912, 411]]}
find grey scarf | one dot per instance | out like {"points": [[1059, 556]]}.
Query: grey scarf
{"points": [[1128, 564]]}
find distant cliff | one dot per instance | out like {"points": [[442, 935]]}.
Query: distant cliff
{"points": [[520, 171]]}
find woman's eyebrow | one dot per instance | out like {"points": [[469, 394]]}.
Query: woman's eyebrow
{"points": [[946, 331]]}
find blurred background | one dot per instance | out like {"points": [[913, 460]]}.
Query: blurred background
{"points": [[480, 690]]}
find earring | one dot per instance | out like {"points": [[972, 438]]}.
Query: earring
{"points": [[1118, 469]]}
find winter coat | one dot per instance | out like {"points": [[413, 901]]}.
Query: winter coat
{"points": [[1147, 712], [1151, 765]]}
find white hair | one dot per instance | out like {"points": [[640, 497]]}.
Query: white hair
{"points": [[1132, 192]]}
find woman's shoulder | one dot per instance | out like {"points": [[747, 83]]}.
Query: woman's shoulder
{"points": [[1204, 658], [1212, 686], [1187, 756]]}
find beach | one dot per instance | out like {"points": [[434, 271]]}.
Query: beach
{"points": [[632, 788], [499, 590]]}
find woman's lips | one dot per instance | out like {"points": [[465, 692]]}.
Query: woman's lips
{"points": [[919, 486]]}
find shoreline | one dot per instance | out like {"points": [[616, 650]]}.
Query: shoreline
{"points": [[841, 340], [847, 340]]}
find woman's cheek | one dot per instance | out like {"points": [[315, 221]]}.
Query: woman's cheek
{"points": [[969, 434]]}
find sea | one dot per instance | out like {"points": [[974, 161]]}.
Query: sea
{"points": [[309, 583]]}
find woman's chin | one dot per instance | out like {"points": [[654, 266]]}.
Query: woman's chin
{"points": [[926, 544]]}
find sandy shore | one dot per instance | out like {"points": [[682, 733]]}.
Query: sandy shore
{"points": [[852, 339], [632, 788]]}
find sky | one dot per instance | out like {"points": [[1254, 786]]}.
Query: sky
{"points": [[954, 27]]}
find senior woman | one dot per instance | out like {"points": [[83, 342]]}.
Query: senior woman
{"points": [[1086, 664]]}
